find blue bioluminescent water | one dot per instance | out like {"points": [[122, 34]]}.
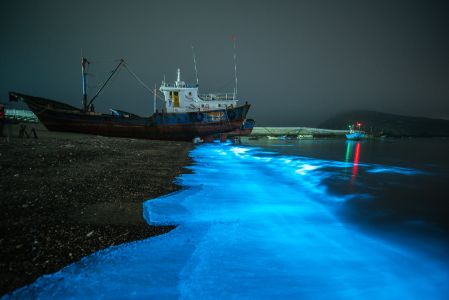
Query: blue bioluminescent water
{"points": [[256, 224]]}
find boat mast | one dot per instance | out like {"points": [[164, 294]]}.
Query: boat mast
{"points": [[84, 65], [154, 100], [196, 70], [235, 66]]}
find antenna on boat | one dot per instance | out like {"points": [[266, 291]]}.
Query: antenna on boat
{"points": [[84, 65], [233, 38], [194, 62]]}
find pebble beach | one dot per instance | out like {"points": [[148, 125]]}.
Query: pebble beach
{"points": [[65, 196]]}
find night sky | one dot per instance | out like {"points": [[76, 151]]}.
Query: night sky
{"points": [[299, 62]]}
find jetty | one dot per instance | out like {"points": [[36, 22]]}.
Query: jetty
{"points": [[296, 131]]}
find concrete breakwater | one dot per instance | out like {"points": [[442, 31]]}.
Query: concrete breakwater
{"points": [[279, 131]]}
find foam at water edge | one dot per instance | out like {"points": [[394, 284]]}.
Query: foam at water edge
{"points": [[253, 224]]}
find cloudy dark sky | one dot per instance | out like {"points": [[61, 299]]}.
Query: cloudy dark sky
{"points": [[299, 62]]}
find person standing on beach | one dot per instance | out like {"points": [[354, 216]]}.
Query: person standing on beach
{"points": [[33, 130], [23, 131], [2, 119], [5, 124]]}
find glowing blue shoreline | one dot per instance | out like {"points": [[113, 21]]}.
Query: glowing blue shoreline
{"points": [[252, 224]]}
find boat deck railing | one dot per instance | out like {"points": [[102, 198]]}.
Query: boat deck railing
{"points": [[183, 86], [217, 96]]}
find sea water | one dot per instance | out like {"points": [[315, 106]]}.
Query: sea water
{"points": [[319, 219]]}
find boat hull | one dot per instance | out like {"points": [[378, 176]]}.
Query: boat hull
{"points": [[355, 136], [245, 129], [57, 116]]}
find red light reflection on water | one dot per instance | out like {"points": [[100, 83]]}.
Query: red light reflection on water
{"points": [[356, 161]]}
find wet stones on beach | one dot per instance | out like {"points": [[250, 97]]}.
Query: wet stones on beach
{"points": [[65, 196]]}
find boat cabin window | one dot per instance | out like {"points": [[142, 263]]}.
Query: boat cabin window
{"points": [[175, 99]]}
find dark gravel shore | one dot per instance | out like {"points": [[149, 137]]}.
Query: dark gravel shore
{"points": [[65, 196]]}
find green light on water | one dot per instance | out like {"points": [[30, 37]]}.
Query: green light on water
{"points": [[348, 151]]}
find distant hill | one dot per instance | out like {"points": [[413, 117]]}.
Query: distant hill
{"points": [[390, 124]]}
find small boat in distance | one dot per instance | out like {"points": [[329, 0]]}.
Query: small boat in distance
{"points": [[187, 114], [355, 133], [304, 136], [278, 137]]}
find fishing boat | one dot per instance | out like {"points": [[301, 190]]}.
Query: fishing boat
{"points": [[187, 113], [355, 132]]}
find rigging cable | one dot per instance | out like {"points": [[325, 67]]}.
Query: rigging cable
{"points": [[116, 71], [109, 78], [141, 81]]}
